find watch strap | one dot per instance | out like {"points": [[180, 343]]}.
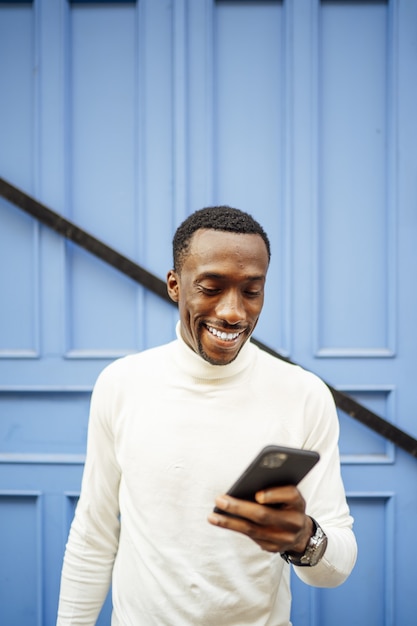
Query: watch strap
{"points": [[314, 551]]}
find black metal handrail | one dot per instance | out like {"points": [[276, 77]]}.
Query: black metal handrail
{"points": [[74, 233]]}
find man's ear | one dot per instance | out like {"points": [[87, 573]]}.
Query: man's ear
{"points": [[173, 286]]}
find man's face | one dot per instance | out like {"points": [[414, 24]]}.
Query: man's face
{"points": [[220, 292]]}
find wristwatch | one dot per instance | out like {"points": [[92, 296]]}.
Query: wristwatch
{"points": [[314, 551]]}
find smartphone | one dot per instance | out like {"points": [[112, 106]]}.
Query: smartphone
{"points": [[275, 466]]}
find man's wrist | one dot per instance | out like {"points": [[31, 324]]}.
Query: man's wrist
{"points": [[314, 550], [300, 548]]}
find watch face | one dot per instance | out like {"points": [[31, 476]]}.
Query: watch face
{"points": [[315, 549], [313, 553]]}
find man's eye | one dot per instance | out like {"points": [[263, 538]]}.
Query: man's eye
{"points": [[210, 291]]}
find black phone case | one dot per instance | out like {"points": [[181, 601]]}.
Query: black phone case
{"points": [[275, 466]]}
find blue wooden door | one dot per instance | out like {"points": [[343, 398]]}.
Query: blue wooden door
{"points": [[125, 117]]}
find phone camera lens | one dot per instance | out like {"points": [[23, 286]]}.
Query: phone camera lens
{"points": [[274, 459]]}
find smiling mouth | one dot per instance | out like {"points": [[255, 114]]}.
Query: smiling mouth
{"points": [[221, 334]]}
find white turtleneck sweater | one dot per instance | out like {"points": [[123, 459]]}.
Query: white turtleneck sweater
{"points": [[167, 433]]}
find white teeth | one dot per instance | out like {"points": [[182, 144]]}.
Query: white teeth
{"points": [[223, 335]]}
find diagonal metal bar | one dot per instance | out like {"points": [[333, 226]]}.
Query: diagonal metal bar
{"points": [[81, 237], [74, 233]]}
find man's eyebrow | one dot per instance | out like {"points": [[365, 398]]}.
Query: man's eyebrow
{"points": [[219, 276], [210, 275]]}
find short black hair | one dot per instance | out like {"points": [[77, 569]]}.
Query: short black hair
{"points": [[223, 218]]}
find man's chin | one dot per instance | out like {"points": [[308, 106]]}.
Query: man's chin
{"points": [[222, 358], [213, 361]]}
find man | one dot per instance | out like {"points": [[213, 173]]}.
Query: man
{"points": [[172, 427]]}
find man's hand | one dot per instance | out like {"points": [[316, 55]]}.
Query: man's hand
{"points": [[283, 529]]}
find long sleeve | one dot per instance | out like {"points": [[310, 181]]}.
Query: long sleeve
{"points": [[93, 538], [326, 500]]}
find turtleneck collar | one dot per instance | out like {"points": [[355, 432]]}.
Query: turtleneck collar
{"points": [[194, 365]]}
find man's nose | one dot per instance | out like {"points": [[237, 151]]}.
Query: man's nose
{"points": [[230, 307]]}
